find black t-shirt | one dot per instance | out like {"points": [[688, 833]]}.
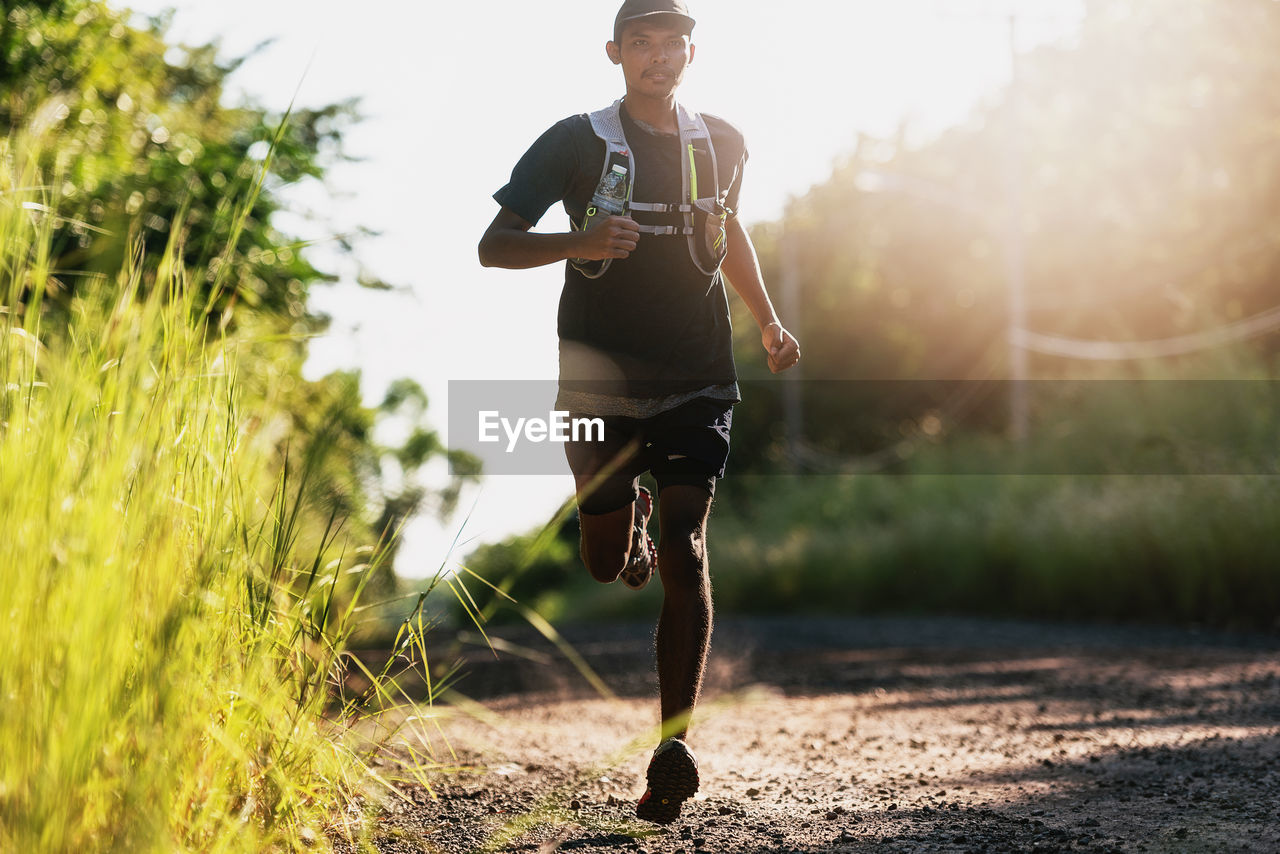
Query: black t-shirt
{"points": [[653, 325]]}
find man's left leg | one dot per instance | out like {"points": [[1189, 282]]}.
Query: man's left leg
{"points": [[684, 625], [692, 446], [688, 449], [683, 637]]}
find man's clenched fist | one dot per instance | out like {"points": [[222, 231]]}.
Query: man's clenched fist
{"points": [[611, 237]]}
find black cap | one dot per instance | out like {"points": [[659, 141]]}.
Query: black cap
{"points": [[635, 9]]}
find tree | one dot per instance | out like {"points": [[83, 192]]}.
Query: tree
{"points": [[141, 153], [1150, 175]]}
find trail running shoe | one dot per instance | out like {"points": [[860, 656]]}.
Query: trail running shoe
{"points": [[672, 778], [644, 554]]}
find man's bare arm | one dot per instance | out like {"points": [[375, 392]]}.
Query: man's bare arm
{"points": [[742, 268], [508, 243]]}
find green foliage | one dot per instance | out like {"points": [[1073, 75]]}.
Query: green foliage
{"points": [[172, 638], [131, 135], [1148, 182], [1084, 548], [190, 524], [532, 569], [145, 140], [1174, 550]]}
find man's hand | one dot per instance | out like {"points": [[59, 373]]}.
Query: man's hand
{"points": [[508, 243], [611, 237], [742, 269], [782, 347]]}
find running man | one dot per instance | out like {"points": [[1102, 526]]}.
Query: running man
{"points": [[651, 190]]}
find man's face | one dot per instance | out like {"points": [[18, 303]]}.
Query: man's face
{"points": [[653, 53]]}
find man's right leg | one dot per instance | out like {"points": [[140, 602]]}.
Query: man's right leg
{"points": [[606, 537], [605, 475]]}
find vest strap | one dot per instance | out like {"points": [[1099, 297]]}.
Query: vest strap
{"points": [[677, 230], [659, 207], [701, 211]]}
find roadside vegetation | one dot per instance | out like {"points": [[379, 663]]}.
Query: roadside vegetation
{"points": [[193, 532], [173, 631]]}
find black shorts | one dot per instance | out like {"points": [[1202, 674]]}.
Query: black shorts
{"points": [[684, 446]]}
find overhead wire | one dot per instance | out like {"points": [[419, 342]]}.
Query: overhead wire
{"points": [[1157, 348]]}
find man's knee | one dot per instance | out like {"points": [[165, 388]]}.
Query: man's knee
{"points": [[682, 559], [605, 567], [606, 543], [682, 555]]}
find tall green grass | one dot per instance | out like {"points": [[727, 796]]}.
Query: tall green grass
{"points": [[1152, 548], [956, 529], [959, 530], [1160, 549], [169, 656]]}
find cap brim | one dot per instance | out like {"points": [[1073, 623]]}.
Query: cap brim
{"points": [[689, 22]]}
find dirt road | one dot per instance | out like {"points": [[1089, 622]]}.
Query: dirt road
{"points": [[876, 735]]}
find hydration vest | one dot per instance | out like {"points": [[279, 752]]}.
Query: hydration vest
{"points": [[703, 214]]}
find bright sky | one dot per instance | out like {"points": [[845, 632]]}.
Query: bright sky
{"points": [[454, 93]]}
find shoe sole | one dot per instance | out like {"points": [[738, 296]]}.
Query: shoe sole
{"points": [[632, 579], [673, 779], [629, 577]]}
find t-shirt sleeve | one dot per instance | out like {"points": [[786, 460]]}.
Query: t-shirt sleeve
{"points": [[543, 176], [731, 152], [735, 186]]}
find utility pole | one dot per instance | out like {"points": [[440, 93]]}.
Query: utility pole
{"points": [[1015, 250]]}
